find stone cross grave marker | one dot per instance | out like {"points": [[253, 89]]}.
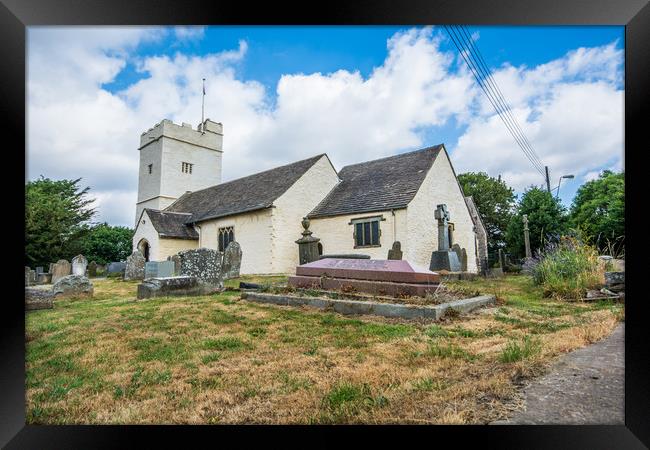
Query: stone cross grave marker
{"points": [[79, 264], [442, 215]]}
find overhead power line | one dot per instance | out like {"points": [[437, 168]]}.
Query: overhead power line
{"points": [[476, 64]]}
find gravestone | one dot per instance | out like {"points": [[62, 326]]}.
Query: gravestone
{"points": [[61, 269], [92, 269], [101, 269], [79, 264], [307, 245], [203, 263], [157, 269], [39, 270], [116, 267], [32, 277], [232, 260], [177, 264], [463, 259], [396, 251], [456, 249], [444, 258], [502, 259], [373, 276], [73, 285], [50, 270], [27, 275], [134, 269], [44, 278], [36, 298], [172, 286]]}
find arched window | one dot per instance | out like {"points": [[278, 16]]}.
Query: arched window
{"points": [[226, 236], [143, 246]]}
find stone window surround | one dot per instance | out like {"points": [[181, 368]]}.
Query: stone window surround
{"points": [[186, 167], [229, 229], [357, 220]]}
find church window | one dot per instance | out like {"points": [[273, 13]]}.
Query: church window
{"points": [[150, 167], [226, 236], [186, 167], [366, 231]]}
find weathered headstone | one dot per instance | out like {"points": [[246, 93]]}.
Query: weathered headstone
{"points": [[203, 263], [73, 285], [51, 269], [232, 260], [101, 270], [396, 251], [177, 264], [444, 258], [44, 278], [39, 270], [92, 269], [135, 266], [79, 264], [32, 277], [27, 275], [116, 267], [502, 259], [307, 245], [456, 249], [36, 298], [61, 269], [463, 259], [157, 269], [172, 286]]}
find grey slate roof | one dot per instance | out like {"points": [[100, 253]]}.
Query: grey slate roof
{"points": [[379, 185], [171, 225], [251, 193]]}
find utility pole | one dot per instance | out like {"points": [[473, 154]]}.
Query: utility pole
{"points": [[203, 109], [548, 182]]}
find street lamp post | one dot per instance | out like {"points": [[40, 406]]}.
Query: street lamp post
{"points": [[557, 194]]}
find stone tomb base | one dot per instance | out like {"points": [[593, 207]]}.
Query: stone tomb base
{"points": [[445, 260], [175, 286], [375, 276]]}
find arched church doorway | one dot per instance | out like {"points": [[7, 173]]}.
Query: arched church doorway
{"points": [[143, 246]]}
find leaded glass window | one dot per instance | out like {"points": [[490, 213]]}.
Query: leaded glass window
{"points": [[226, 236]]}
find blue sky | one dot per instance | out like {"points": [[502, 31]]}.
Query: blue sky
{"points": [[564, 83]]}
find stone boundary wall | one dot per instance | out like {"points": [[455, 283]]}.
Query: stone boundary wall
{"points": [[434, 312]]}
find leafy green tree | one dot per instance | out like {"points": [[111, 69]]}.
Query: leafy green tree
{"points": [[598, 209], [495, 202], [105, 243], [546, 221], [56, 216]]}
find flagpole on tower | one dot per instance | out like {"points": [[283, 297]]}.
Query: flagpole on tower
{"points": [[203, 109]]}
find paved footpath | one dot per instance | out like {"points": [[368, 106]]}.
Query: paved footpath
{"points": [[583, 387]]}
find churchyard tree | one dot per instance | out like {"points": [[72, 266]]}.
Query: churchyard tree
{"points": [[495, 202], [598, 211], [547, 221], [57, 213], [105, 243]]}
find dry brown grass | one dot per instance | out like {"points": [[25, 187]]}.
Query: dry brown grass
{"points": [[218, 359]]}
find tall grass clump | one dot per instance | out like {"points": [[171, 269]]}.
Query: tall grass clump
{"points": [[568, 269]]}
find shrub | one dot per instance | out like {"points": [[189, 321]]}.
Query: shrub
{"points": [[567, 269]]}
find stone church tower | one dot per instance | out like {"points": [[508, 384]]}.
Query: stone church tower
{"points": [[175, 159]]}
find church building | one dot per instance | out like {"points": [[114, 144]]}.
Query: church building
{"points": [[363, 208]]}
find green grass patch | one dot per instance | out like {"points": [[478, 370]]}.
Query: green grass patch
{"points": [[516, 351], [228, 343], [428, 384], [347, 400], [156, 349]]}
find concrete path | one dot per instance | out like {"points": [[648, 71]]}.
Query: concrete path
{"points": [[583, 387]]}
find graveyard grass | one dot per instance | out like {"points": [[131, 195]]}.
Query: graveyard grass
{"points": [[218, 359]]}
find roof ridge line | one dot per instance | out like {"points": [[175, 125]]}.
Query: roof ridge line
{"points": [[432, 147]]}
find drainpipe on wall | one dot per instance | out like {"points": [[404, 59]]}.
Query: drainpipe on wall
{"points": [[200, 234], [392, 211]]}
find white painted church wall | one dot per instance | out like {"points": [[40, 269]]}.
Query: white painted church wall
{"points": [[253, 232], [337, 234], [303, 196], [159, 248]]}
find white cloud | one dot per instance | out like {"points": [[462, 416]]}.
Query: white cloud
{"points": [[76, 128], [570, 109], [189, 33]]}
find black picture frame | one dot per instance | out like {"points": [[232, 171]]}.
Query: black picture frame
{"points": [[16, 15]]}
